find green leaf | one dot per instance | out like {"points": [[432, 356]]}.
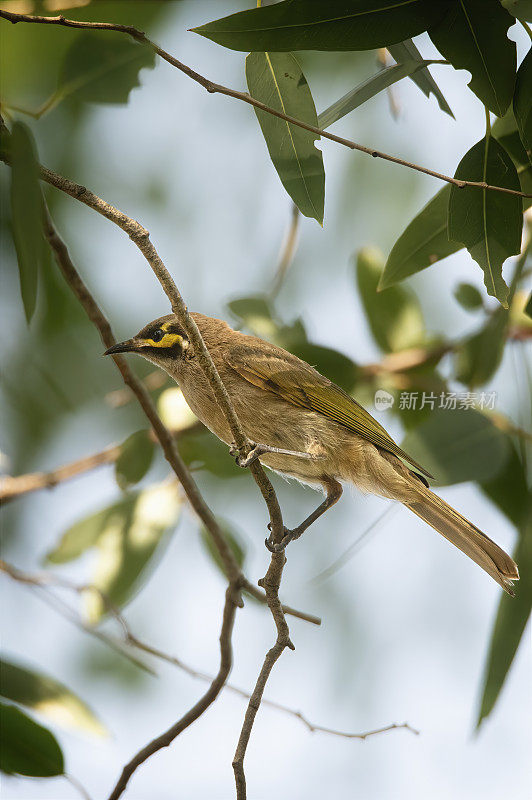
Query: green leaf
{"points": [[28, 748], [48, 697], [458, 445], [510, 623], [394, 316], [126, 535], [202, 450], [522, 9], [506, 132], [276, 79], [479, 356], [509, 490], [315, 25], [234, 540], [473, 35], [523, 102], [368, 89], [422, 243], [406, 51], [468, 296], [26, 213], [102, 68], [135, 459], [487, 222]]}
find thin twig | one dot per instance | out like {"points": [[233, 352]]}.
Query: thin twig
{"points": [[45, 580], [11, 487], [231, 568], [288, 251], [217, 88], [232, 602], [141, 238], [271, 583]]}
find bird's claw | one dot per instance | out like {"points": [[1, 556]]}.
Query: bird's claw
{"points": [[241, 460], [278, 547]]}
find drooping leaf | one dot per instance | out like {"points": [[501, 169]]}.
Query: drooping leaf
{"points": [[394, 315], [103, 68], [487, 222], [468, 296], [506, 132], [522, 9], [479, 356], [510, 623], [458, 445], [276, 79], [423, 242], [135, 459], [315, 25], [48, 697], [368, 89], [26, 213], [406, 51], [473, 35], [523, 102], [234, 540], [127, 536], [27, 748]]}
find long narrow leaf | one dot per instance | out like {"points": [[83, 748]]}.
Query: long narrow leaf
{"points": [[276, 79], [488, 223], [318, 25], [407, 51], [368, 89]]}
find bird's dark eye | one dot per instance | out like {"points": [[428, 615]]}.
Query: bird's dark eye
{"points": [[157, 335]]}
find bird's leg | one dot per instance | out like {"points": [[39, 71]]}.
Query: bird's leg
{"points": [[334, 492], [259, 450]]}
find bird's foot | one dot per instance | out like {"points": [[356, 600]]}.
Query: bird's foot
{"points": [[289, 536], [245, 461]]}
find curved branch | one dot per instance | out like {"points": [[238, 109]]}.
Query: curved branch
{"points": [[11, 487], [218, 88], [232, 601], [95, 314]]}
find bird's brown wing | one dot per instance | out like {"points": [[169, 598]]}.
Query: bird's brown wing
{"points": [[299, 384]]}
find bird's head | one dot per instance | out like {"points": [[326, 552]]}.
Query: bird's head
{"points": [[162, 341]]}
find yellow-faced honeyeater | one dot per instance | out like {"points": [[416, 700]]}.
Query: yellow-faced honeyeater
{"points": [[306, 427]]}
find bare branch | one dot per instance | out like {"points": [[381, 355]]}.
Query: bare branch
{"points": [[141, 237], [164, 436], [271, 583], [232, 602], [11, 487], [45, 580], [217, 88]]}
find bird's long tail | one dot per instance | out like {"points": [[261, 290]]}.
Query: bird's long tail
{"points": [[466, 536]]}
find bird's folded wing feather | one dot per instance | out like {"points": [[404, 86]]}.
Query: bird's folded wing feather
{"points": [[299, 384]]}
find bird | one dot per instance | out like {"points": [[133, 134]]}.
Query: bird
{"points": [[304, 426]]}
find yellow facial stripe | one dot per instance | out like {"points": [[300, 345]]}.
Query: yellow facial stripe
{"points": [[168, 340]]}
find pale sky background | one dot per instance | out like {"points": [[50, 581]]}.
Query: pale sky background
{"points": [[406, 622]]}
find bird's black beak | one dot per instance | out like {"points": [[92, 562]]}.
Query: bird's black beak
{"points": [[129, 346]]}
